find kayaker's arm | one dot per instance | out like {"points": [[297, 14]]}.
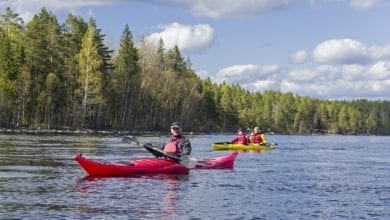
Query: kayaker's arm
{"points": [[234, 141], [186, 147]]}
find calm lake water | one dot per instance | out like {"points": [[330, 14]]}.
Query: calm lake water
{"points": [[306, 177]]}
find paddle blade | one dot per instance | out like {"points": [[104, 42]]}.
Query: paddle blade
{"points": [[188, 161], [130, 139]]}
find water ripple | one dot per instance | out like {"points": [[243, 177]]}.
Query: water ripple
{"points": [[306, 177]]}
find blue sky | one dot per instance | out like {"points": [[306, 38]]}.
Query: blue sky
{"points": [[331, 49]]}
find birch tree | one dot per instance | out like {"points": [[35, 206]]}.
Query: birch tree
{"points": [[90, 76]]}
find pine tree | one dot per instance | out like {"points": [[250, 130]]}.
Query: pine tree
{"points": [[44, 55], [11, 23], [127, 80], [74, 30], [161, 63], [228, 113], [285, 115], [175, 61]]}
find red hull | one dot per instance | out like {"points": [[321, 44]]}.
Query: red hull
{"points": [[151, 166], [139, 166], [223, 162]]}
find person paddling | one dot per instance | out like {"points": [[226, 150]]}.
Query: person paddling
{"points": [[240, 138], [177, 144], [256, 137]]}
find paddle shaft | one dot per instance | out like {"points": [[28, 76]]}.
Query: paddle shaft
{"points": [[188, 162]]}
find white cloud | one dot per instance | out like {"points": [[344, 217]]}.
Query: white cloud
{"points": [[213, 9], [244, 74], [378, 52], [250, 8], [262, 85], [27, 9], [186, 37], [352, 72], [341, 51], [298, 57], [364, 4], [302, 75], [203, 74], [348, 51], [233, 8], [55, 4], [380, 70], [325, 81], [206, 8], [247, 69], [251, 77], [346, 81]]}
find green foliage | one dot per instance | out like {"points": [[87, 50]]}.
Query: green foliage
{"points": [[11, 24], [63, 76], [90, 78], [125, 83]]}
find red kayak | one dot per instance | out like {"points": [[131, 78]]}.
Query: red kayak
{"points": [[151, 166], [223, 162]]}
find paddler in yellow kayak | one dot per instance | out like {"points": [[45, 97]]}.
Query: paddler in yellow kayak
{"points": [[257, 137], [240, 138]]}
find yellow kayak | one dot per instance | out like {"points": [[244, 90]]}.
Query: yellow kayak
{"points": [[229, 146]]}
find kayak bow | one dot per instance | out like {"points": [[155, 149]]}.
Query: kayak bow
{"points": [[223, 162]]}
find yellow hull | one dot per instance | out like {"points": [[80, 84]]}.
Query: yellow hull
{"points": [[228, 146]]}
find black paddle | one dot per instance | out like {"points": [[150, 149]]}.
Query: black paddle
{"points": [[223, 143], [185, 160]]}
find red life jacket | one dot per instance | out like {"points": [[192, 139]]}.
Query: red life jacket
{"points": [[256, 139], [240, 139], [173, 145]]}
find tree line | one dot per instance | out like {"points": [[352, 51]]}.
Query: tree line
{"points": [[62, 76]]}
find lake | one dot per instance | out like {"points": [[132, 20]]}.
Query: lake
{"points": [[305, 177]]}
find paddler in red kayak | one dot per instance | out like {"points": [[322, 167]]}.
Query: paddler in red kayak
{"points": [[177, 144]]}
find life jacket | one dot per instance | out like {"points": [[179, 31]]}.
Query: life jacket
{"points": [[174, 145], [256, 138], [240, 139]]}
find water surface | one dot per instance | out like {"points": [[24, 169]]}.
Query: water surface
{"points": [[306, 177]]}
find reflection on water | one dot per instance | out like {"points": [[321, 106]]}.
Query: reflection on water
{"points": [[136, 195], [305, 177]]}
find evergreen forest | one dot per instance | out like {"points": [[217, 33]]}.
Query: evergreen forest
{"points": [[62, 76]]}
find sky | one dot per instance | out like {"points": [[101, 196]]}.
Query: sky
{"points": [[327, 49]]}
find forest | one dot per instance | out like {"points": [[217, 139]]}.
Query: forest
{"points": [[62, 76]]}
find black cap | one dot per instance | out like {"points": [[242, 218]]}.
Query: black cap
{"points": [[175, 125]]}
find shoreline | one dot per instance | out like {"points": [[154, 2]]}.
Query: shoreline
{"points": [[146, 133]]}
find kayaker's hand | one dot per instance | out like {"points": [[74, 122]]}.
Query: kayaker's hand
{"points": [[171, 154], [174, 155]]}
